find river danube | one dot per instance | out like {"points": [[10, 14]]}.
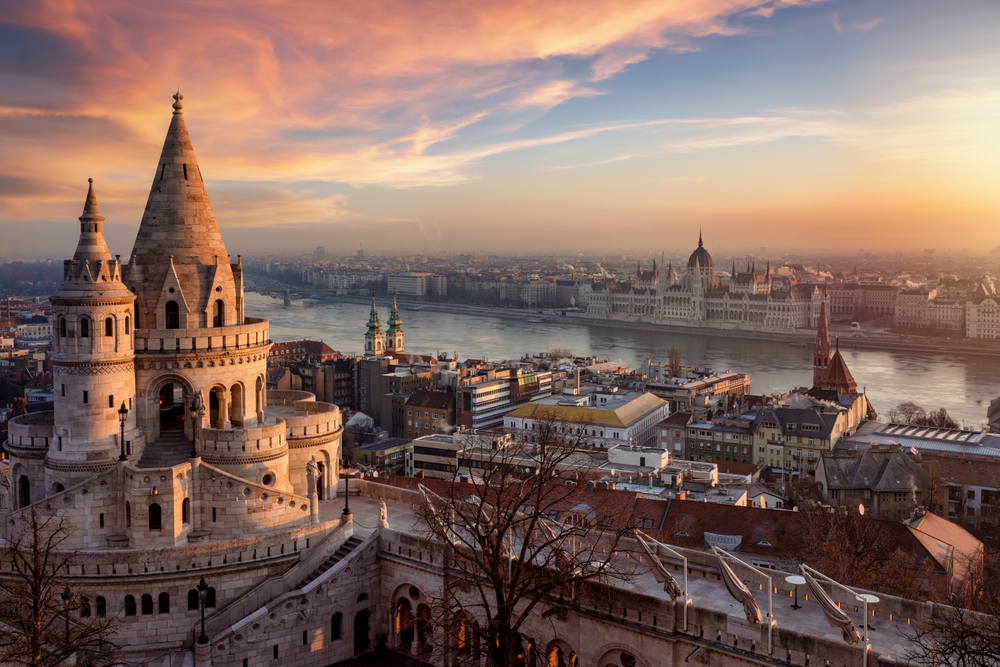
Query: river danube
{"points": [[963, 385]]}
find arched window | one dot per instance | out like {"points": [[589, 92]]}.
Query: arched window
{"points": [[163, 604], [186, 511], [130, 605], [109, 327], [335, 626], [219, 318], [155, 517], [128, 514], [84, 327], [193, 601], [210, 597], [172, 315], [84, 608], [147, 604], [128, 329], [62, 327], [102, 606]]}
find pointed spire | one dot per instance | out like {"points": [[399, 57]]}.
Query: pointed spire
{"points": [[395, 323], [700, 244], [373, 324], [733, 273], [178, 220], [92, 245]]}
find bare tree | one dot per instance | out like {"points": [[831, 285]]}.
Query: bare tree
{"points": [[522, 537], [907, 412], [676, 368], [968, 634], [862, 552], [45, 623], [938, 418]]}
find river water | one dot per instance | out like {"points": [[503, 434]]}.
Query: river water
{"points": [[963, 385]]}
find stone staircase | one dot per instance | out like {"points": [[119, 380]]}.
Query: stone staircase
{"points": [[345, 549], [170, 449]]}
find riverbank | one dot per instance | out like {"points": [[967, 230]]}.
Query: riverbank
{"points": [[875, 342]]}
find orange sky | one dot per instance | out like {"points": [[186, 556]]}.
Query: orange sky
{"points": [[512, 126]]}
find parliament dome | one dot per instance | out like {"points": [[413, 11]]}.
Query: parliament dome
{"points": [[700, 257]]}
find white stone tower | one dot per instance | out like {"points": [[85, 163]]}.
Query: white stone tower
{"points": [[394, 337], [193, 343], [92, 360]]}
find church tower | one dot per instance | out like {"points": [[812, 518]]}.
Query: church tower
{"points": [[821, 348], [92, 360], [374, 338], [394, 337]]}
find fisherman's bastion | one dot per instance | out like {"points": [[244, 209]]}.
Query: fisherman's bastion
{"points": [[174, 465]]}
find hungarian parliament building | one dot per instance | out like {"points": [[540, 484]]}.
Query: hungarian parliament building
{"points": [[750, 300]]}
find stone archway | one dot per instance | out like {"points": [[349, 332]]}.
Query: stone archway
{"points": [[236, 406], [404, 622], [619, 655], [166, 402]]}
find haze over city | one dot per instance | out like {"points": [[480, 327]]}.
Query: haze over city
{"points": [[514, 127]]}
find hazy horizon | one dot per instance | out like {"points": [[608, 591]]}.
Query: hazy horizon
{"points": [[513, 127]]}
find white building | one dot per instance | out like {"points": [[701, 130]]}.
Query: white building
{"points": [[982, 314], [608, 417]]}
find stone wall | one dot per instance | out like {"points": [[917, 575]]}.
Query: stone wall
{"points": [[298, 627]]}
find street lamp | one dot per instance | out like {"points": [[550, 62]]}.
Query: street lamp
{"points": [[197, 409], [65, 598], [202, 591], [122, 416]]}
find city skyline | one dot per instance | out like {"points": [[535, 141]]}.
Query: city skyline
{"points": [[515, 128]]}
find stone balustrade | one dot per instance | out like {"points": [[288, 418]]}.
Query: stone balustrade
{"points": [[271, 588], [254, 333]]}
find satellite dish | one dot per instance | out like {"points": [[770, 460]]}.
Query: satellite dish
{"points": [[861, 510]]}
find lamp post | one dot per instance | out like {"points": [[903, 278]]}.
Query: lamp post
{"points": [[122, 416], [197, 409], [65, 598], [202, 591]]}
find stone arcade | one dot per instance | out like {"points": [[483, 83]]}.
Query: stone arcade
{"points": [[217, 478]]}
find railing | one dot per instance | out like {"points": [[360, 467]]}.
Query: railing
{"points": [[268, 589], [254, 333]]}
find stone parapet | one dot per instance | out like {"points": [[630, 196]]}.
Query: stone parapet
{"points": [[253, 334], [337, 532], [30, 434], [221, 446]]}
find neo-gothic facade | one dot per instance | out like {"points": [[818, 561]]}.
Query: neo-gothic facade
{"points": [[749, 301]]}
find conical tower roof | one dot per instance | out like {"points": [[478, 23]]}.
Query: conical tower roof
{"points": [[92, 245], [92, 272], [838, 376], [179, 239]]}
